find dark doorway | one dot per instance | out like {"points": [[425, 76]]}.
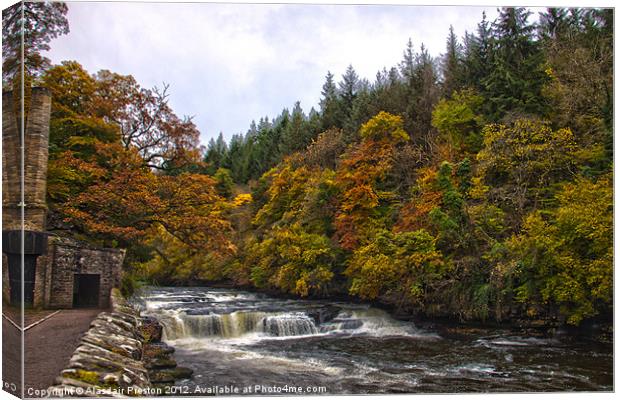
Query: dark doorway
{"points": [[32, 245], [86, 290]]}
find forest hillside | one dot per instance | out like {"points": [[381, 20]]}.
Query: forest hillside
{"points": [[476, 185]]}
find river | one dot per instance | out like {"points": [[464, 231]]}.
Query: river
{"points": [[236, 339]]}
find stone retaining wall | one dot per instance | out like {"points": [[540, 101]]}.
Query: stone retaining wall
{"points": [[120, 355]]}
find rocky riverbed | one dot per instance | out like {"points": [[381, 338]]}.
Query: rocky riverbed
{"points": [[253, 343], [120, 355]]}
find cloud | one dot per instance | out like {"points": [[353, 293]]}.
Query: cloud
{"points": [[230, 63]]}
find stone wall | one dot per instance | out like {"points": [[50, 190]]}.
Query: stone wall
{"points": [[54, 278], [65, 258], [120, 355], [36, 138], [108, 358]]}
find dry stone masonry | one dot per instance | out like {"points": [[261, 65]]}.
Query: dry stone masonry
{"points": [[120, 355]]}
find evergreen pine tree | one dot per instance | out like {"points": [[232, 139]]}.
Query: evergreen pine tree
{"points": [[452, 65], [295, 136], [478, 55], [330, 108], [516, 79], [422, 93], [348, 88], [216, 152]]}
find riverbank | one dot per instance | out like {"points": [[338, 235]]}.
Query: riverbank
{"points": [[121, 354], [242, 339], [599, 329], [50, 337]]}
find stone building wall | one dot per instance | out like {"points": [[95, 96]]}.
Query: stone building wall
{"points": [[56, 268], [65, 258], [36, 136]]}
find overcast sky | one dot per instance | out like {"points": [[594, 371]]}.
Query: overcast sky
{"points": [[228, 64]]}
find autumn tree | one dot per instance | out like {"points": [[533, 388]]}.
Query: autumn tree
{"points": [[521, 162], [129, 200], [74, 115], [103, 189], [77, 135], [294, 261], [140, 118], [459, 120], [296, 194], [35, 24], [401, 268], [566, 259], [146, 122], [578, 48], [359, 178]]}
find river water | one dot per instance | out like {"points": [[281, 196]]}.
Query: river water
{"points": [[252, 342]]}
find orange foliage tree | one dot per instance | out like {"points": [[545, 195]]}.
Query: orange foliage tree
{"points": [[131, 199], [360, 175]]}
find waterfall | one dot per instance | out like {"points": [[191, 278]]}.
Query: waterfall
{"points": [[289, 325], [373, 322], [174, 327], [217, 318], [237, 324]]}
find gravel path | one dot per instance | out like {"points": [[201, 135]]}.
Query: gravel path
{"points": [[49, 346]]}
